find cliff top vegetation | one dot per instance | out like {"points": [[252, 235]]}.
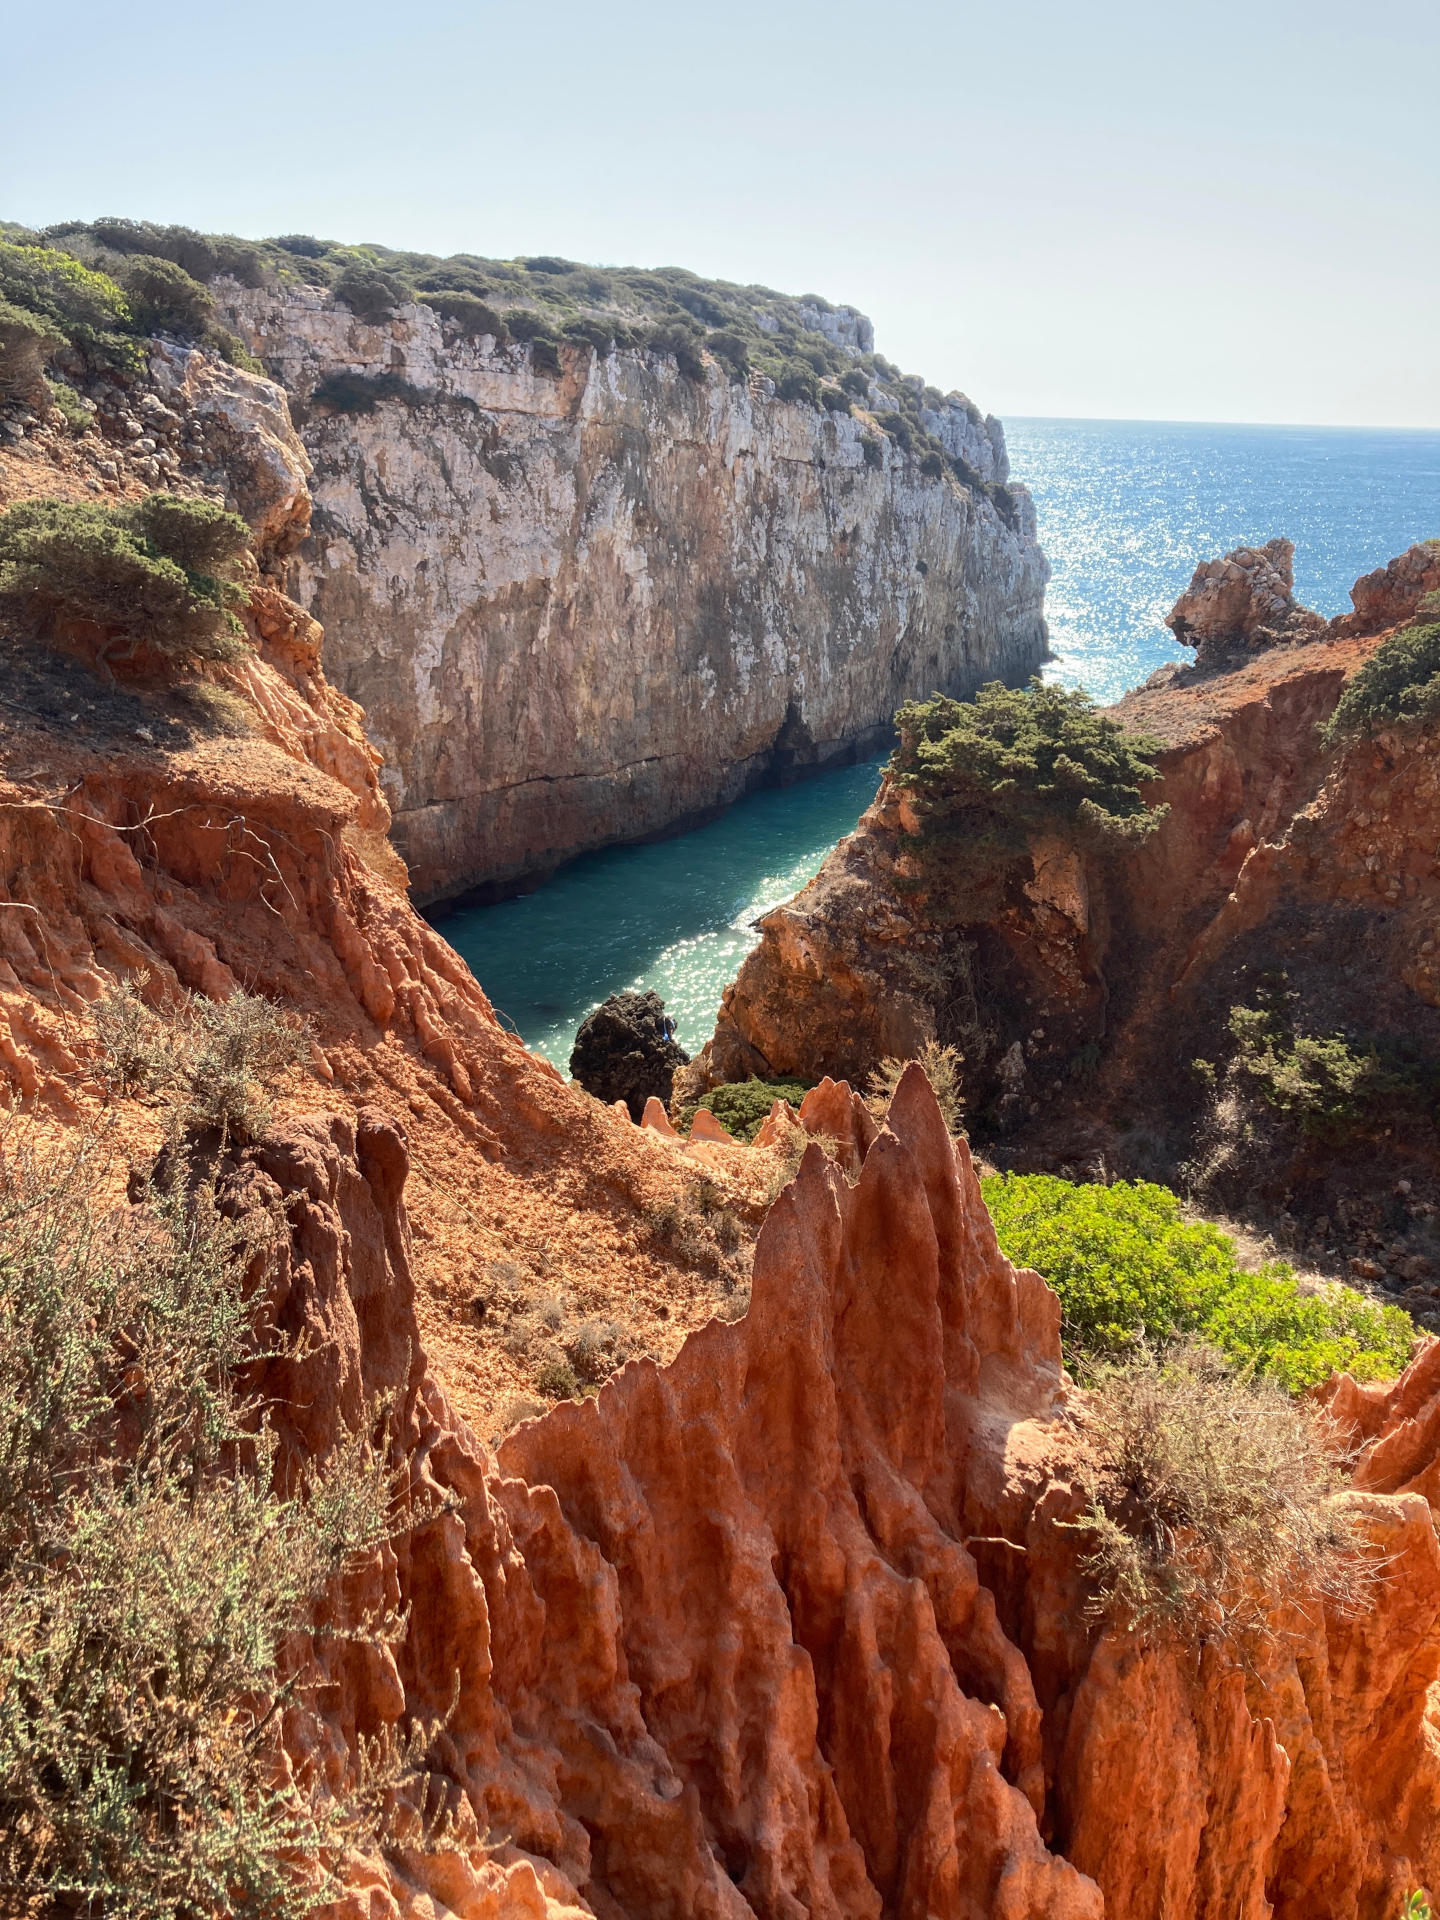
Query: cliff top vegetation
{"points": [[1033, 754], [140, 277], [987, 773], [157, 575], [1399, 685]]}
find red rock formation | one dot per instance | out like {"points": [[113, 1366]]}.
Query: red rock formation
{"points": [[1278, 857], [789, 1626], [1243, 602], [1395, 593]]}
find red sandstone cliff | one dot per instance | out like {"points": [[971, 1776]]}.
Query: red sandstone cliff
{"points": [[1082, 998], [789, 1626]]}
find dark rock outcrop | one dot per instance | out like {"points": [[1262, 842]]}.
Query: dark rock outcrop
{"points": [[626, 1050]]}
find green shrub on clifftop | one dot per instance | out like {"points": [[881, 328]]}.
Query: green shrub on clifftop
{"points": [[987, 774], [1130, 1269], [159, 573], [1034, 754], [1399, 685]]}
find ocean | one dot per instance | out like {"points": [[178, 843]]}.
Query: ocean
{"points": [[1126, 509]]}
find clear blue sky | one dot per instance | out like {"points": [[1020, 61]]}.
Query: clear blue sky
{"points": [[1227, 212]]}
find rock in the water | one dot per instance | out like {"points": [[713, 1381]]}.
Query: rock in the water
{"points": [[1242, 603], [626, 1050]]}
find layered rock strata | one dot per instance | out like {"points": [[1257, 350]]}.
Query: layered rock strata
{"points": [[589, 607], [791, 1625]]}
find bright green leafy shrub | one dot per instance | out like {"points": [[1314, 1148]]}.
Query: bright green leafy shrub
{"points": [[1301, 1338], [84, 308], [1128, 1268], [161, 572], [1399, 685], [743, 1108]]}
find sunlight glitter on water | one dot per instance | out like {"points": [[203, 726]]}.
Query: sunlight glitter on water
{"points": [[1126, 510]]}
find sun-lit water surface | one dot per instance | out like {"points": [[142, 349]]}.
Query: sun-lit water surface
{"points": [[674, 915], [1125, 511]]}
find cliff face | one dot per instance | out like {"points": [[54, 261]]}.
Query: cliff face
{"points": [[586, 607], [1083, 997], [790, 1625]]}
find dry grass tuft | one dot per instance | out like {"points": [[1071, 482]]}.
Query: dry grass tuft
{"points": [[1211, 1494], [941, 1067]]}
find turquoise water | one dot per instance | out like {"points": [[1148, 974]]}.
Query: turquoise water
{"points": [[1126, 510], [674, 915]]}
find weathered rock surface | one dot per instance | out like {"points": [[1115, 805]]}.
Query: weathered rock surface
{"points": [[1244, 601], [626, 1050], [1279, 861], [188, 421], [1395, 594], [790, 1626], [582, 609]]}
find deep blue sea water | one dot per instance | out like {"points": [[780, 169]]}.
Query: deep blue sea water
{"points": [[1126, 509]]}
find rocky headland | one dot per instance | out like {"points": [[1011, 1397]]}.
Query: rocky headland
{"points": [[1291, 866], [596, 599]]}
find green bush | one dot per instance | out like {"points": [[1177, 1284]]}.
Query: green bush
{"points": [[86, 309], [1327, 1084], [1037, 754], [1399, 685], [164, 298], [470, 314], [1129, 1269], [743, 1107], [683, 343], [25, 340], [160, 572], [202, 256], [989, 773], [371, 294], [1301, 1338], [152, 1582]]}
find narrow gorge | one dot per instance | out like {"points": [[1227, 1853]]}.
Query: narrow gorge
{"points": [[635, 1521], [586, 596]]}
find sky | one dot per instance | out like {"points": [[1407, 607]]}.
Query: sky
{"points": [[1157, 211]]}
